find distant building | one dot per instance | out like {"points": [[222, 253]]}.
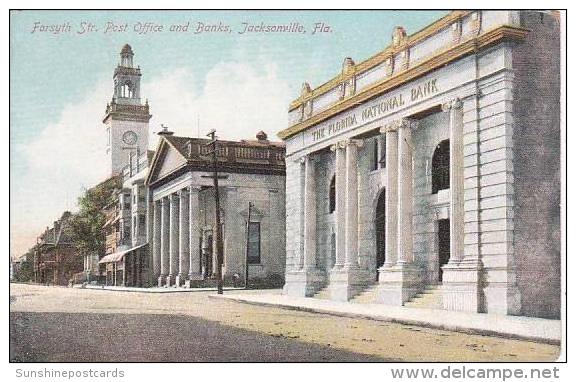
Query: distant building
{"points": [[56, 260], [126, 258], [182, 234]]}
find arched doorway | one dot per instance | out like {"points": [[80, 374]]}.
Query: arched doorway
{"points": [[380, 223]]}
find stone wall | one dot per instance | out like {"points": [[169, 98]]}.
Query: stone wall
{"points": [[537, 241]]}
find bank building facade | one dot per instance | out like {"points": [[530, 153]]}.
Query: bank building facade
{"points": [[429, 174]]}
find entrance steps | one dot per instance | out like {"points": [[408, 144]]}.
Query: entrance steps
{"points": [[324, 293], [429, 298], [367, 296]]}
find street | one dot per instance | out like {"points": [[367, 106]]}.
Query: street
{"points": [[57, 324]]}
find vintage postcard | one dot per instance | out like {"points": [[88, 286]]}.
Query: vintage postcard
{"points": [[287, 186]]}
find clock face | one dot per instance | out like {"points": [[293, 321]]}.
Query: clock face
{"points": [[130, 137]]}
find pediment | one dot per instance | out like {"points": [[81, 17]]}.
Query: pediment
{"points": [[166, 160]]}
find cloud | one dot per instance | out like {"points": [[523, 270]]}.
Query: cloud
{"points": [[237, 99], [65, 157]]}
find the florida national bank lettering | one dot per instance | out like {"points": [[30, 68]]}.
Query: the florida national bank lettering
{"points": [[379, 110]]}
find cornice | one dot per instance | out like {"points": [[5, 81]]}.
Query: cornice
{"points": [[496, 35], [380, 57]]}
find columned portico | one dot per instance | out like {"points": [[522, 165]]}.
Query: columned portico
{"points": [[184, 241], [157, 248], [340, 151], [195, 272], [164, 241], [352, 203], [309, 214], [399, 278], [347, 280], [306, 279], [174, 242], [461, 276], [391, 195]]}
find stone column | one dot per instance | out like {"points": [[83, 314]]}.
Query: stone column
{"points": [[391, 195], [399, 279], [156, 244], [405, 254], [306, 279], [462, 276], [349, 280], [309, 214], [340, 211], [352, 203], [184, 239], [174, 222], [454, 107], [195, 273], [164, 241]]}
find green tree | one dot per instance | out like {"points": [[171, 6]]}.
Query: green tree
{"points": [[25, 272], [87, 225]]}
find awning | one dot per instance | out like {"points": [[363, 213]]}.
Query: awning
{"points": [[118, 256]]}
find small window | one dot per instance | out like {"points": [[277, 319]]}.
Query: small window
{"points": [[441, 167], [332, 195], [254, 243]]}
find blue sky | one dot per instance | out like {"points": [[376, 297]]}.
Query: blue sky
{"points": [[236, 83]]}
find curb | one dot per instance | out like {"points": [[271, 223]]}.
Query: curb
{"points": [[407, 321]]}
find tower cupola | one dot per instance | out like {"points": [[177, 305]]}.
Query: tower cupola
{"points": [[126, 56]]}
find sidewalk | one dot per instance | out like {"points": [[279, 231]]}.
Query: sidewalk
{"points": [[526, 328], [152, 290]]}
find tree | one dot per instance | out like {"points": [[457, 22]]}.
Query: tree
{"points": [[87, 225], [25, 272]]}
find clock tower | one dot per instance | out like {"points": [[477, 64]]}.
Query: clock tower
{"points": [[126, 118]]}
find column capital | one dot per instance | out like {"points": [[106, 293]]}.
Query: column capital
{"points": [[399, 124], [182, 192], [175, 195], [338, 145], [306, 158], [454, 103], [355, 142], [164, 201], [193, 188]]}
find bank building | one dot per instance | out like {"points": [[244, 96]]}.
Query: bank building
{"points": [[429, 174], [183, 233]]}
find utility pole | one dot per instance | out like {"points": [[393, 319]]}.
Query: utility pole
{"points": [[219, 251], [247, 244]]}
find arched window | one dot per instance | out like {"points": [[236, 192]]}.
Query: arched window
{"points": [[126, 90], [441, 167], [332, 196]]}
